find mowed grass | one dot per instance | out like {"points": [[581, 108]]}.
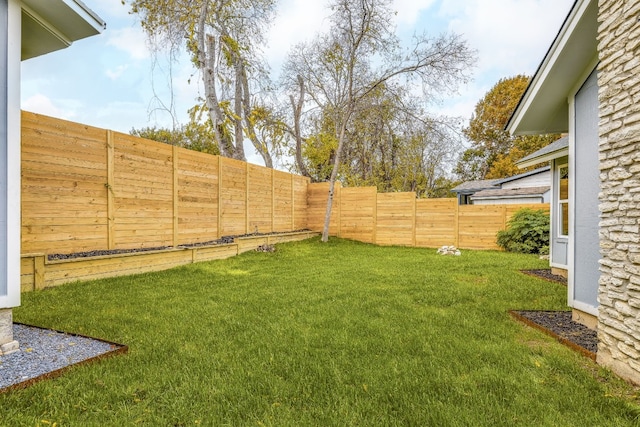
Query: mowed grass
{"points": [[337, 334]]}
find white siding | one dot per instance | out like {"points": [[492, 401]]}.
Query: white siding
{"points": [[542, 179], [508, 201]]}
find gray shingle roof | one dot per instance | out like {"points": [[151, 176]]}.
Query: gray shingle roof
{"points": [[511, 192], [482, 184], [557, 145]]}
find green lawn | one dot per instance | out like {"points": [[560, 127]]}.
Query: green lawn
{"points": [[319, 334]]}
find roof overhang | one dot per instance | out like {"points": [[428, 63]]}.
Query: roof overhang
{"points": [[543, 107], [54, 24], [555, 150]]}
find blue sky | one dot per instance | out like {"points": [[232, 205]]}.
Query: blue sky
{"points": [[109, 80]]}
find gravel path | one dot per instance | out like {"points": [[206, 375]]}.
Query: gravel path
{"points": [[43, 351]]}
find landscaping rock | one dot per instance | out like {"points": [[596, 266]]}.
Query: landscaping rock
{"points": [[449, 250]]}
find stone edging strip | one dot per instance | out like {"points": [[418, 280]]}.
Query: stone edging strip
{"points": [[116, 349]]}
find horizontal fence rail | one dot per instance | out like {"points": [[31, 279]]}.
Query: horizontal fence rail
{"points": [[365, 215]]}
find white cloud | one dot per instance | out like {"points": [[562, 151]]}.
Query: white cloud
{"points": [[41, 104], [130, 40], [297, 21], [510, 35], [408, 11], [115, 73]]}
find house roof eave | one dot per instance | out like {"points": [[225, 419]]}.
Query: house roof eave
{"points": [[55, 24], [543, 107], [556, 149]]}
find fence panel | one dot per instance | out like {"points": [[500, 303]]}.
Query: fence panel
{"points": [[300, 203], [260, 188], [197, 196], [64, 193], [282, 201], [436, 222], [317, 199], [233, 197], [395, 219], [142, 193], [358, 214], [479, 225]]}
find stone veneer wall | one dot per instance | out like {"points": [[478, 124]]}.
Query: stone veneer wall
{"points": [[619, 81], [7, 344]]}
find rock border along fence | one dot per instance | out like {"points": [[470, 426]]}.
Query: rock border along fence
{"points": [[91, 189]]}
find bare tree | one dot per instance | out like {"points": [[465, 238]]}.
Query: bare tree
{"points": [[223, 38], [360, 53]]}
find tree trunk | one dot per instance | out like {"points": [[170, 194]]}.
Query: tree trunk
{"points": [[332, 180], [206, 55], [297, 114], [261, 146], [237, 111]]}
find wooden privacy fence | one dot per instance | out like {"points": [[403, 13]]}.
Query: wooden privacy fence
{"points": [[400, 219], [86, 188]]}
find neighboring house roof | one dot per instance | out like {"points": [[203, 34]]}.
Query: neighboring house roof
{"points": [[558, 148], [49, 25], [543, 107], [489, 184], [511, 193], [472, 186]]}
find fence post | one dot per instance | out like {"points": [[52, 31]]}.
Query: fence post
{"points": [[246, 197], [219, 196], [337, 195], [293, 201], [413, 224], [273, 201], [456, 225], [109, 185], [175, 196], [38, 272], [375, 218]]}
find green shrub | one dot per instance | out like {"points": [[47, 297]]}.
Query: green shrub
{"points": [[527, 232]]}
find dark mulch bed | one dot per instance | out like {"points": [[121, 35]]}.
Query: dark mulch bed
{"points": [[558, 324], [546, 274]]}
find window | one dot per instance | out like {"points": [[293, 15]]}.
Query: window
{"points": [[563, 200]]}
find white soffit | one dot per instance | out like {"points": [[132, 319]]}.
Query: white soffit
{"points": [[544, 106], [54, 24]]}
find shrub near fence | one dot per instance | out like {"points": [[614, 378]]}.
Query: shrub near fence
{"points": [[401, 219], [86, 188]]}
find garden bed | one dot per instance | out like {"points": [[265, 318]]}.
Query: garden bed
{"points": [[40, 271]]}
